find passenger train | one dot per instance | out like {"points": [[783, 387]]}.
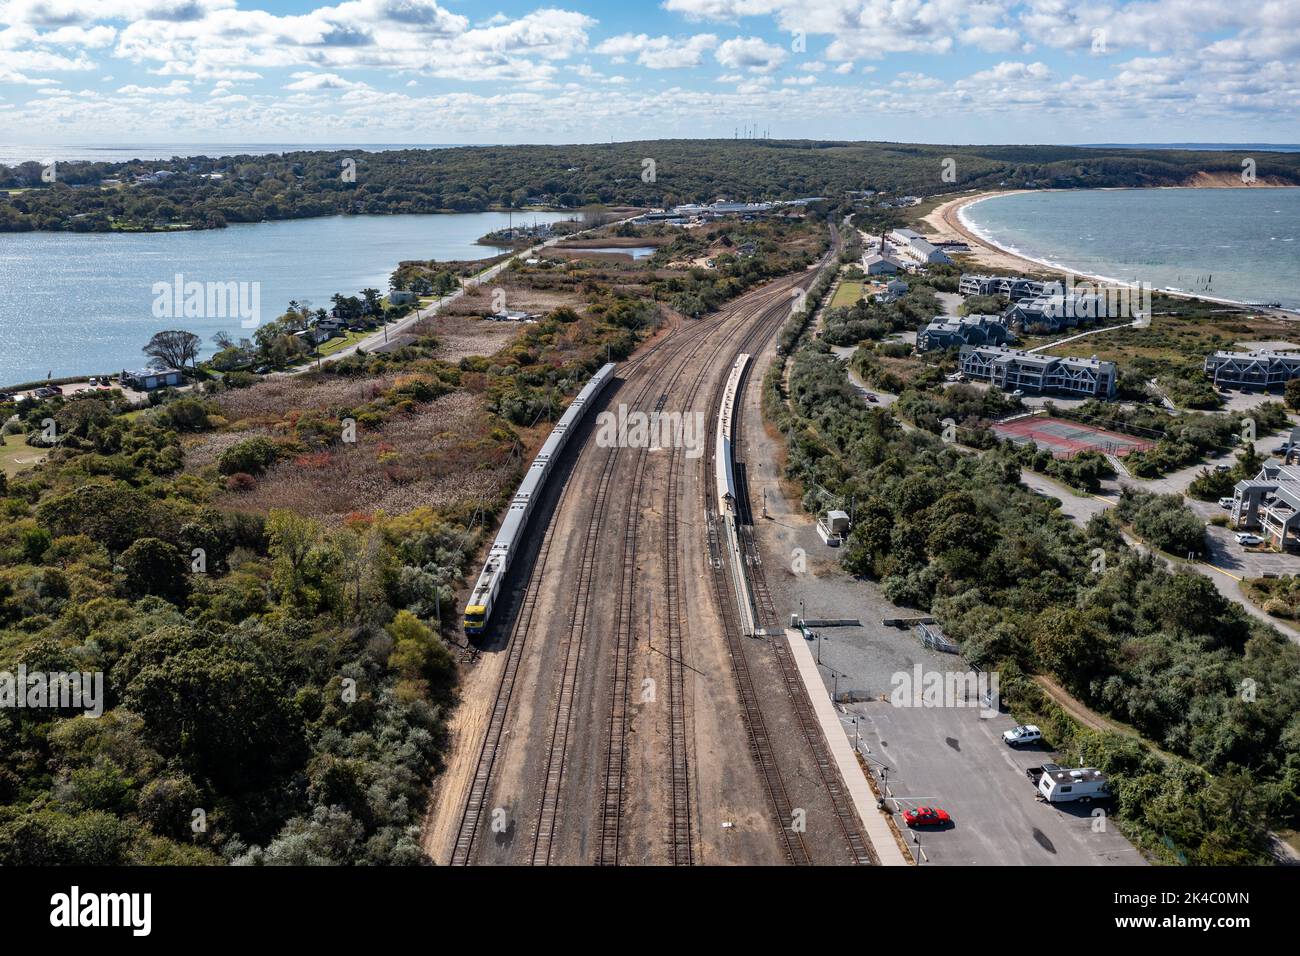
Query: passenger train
{"points": [[510, 538]]}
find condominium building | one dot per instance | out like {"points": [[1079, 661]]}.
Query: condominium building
{"points": [[949, 331], [1262, 370], [1014, 370], [1270, 502], [1014, 288], [1055, 312]]}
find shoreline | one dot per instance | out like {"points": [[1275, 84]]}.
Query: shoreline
{"points": [[948, 220]]}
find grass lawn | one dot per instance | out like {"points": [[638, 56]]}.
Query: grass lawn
{"points": [[849, 291], [1181, 332], [342, 342], [15, 454]]}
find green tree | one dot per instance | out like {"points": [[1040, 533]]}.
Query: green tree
{"points": [[1070, 646], [1292, 393], [155, 567], [113, 515]]}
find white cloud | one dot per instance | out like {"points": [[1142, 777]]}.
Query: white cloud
{"points": [[174, 88], [750, 53], [330, 65], [323, 81], [992, 39], [658, 53]]}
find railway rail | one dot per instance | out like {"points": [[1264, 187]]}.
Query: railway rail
{"points": [[764, 616], [671, 347], [663, 365], [760, 741], [846, 816]]}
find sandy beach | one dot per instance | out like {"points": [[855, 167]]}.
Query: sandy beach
{"points": [[945, 223]]}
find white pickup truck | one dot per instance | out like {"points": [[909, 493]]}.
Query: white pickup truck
{"points": [[1019, 736]]}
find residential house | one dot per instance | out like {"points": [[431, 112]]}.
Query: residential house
{"points": [[146, 380], [876, 265]]}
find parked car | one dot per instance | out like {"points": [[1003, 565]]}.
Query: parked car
{"points": [[926, 817], [1227, 503], [1019, 736], [1251, 540], [1018, 393]]}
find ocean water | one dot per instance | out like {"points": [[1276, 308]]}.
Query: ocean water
{"points": [[73, 304], [1237, 244]]}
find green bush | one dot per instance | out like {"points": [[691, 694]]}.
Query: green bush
{"points": [[251, 456]]}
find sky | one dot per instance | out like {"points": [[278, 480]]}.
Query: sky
{"points": [[118, 72]]}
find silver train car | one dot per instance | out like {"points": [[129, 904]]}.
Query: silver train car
{"points": [[728, 507], [478, 609], [724, 470]]}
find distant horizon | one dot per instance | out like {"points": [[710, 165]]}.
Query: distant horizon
{"points": [[105, 146]]}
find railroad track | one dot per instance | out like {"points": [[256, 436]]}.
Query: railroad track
{"points": [[677, 344], [681, 829], [855, 843], [475, 804], [760, 740], [854, 840]]}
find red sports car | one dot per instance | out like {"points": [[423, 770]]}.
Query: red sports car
{"points": [[926, 817]]}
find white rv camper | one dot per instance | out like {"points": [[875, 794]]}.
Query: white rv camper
{"points": [[1058, 785]]}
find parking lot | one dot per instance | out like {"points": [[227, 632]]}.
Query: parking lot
{"points": [[954, 758], [946, 755]]}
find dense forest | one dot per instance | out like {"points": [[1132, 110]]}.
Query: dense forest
{"points": [[204, 192]]}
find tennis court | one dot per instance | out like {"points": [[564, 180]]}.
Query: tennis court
{"points": [[1065, 439]]}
